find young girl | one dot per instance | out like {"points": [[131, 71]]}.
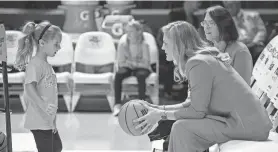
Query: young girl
{"points": [[40, 86]]}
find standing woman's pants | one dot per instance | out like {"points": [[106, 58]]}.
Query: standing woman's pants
{"points": [[140, 73]]}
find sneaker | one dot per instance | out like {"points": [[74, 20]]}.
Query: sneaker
{"points": [[116, 110]]}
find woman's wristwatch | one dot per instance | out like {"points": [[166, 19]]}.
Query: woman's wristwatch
{"points": [[163, 115], [162, 107]]}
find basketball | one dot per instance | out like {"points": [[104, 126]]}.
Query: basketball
{"points": [[3, 142], [130, 111]]}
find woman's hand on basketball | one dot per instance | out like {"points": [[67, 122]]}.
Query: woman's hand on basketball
{"points": [[147, 121]]}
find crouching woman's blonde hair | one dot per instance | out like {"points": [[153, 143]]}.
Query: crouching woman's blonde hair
{"points": [[186, 43]]}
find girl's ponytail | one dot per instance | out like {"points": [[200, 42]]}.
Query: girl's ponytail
{"points": [[25, 46]]}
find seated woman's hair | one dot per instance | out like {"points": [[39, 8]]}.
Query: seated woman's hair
{"points": [[139, 29], [224, 22], [187, 42]]}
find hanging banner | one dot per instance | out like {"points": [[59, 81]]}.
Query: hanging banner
{"points": [[266, 71], [3, 48], [266, 62]]}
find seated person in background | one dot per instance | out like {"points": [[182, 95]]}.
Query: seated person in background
{"points": [[133, 58], [250, 26], [220, 29]]}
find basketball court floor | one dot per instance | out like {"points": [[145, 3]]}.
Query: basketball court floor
{"points": [[81, 132]]}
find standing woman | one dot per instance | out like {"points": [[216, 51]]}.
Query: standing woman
{"points": [[220, 29], [216, 111]]}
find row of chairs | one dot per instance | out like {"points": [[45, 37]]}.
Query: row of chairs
{"points": [[89, 69]]}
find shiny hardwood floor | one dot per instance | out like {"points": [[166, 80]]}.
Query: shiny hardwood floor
{"points": [[80, 132]]}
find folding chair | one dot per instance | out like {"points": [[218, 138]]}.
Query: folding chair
{"points": [[15, 78], [94, 62], [62, 63]]}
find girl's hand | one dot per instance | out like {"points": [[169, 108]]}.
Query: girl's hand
{"points": [[51, 109], [147, 121], [54, 130]]}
